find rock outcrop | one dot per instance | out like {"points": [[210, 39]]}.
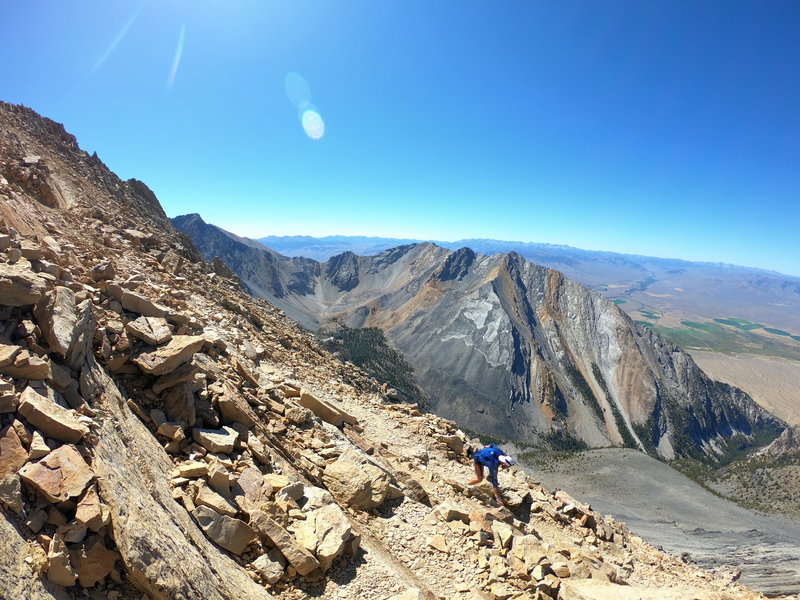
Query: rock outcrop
{"points": [[154, 440]]}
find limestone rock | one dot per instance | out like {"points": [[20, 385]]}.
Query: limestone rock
{"points": [[59, 567], [270, 570], [206, 496], [182, 374], [39, 447], [67, 328], [438, 542], [216, 440], [27, 366], [355, 482], [11, 493], [326, 411], [232, 534], [299, 557], [102, 271], [151, 330], [141, 304], [13, 454], [234, 408], [166, 359], [93, 561], [60, 475], [327, 533], [179, 404], [53, 420], [19, 285], [8, 396], [91, 511]]}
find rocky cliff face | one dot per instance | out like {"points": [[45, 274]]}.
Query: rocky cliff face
{"points": [[165, 435], [510, 348]]}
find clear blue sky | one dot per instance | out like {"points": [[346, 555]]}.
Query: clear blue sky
{"points": [[664, 128]]}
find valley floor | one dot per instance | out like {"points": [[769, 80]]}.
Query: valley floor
{"points": [[669, 510], [772, 382]]}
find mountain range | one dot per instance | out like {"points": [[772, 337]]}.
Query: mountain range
{"points": [[507, 347], [703, 305]]}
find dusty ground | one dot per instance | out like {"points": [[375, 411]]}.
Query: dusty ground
{"points": [[669, 510], [772, 382]]}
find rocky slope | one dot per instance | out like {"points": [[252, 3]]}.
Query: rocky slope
{"points": [[164, 435], [509, 348]]}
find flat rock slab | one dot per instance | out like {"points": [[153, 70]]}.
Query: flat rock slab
{"points": [[53, 420], [60, 475], [232, 534], [141, 304], [166, 359], [216, 440], [13, 454], [152, 330], [300, 558], [19, 285], [326, 410]]}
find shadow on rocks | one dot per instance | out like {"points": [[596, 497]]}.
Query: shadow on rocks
{"points": [[343, 571]]}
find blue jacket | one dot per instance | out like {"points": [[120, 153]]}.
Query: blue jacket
{"points": [[489, 457]]}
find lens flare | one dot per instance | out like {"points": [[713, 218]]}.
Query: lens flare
{"points": [[176, 61], [297, 91], [313, 124]]}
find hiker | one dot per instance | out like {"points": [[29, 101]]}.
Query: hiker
{"points": [[493, 457]]}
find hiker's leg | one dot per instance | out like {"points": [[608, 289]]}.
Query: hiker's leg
{"points": [[478, 474]]}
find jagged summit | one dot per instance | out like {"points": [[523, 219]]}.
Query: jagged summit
{"points": [[165, 435]]}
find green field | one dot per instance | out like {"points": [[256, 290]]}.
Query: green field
{"points": [[619, 301], [740, 324], [778, 331], [730, 339]]}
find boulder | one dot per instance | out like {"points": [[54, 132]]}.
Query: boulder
{"points": [[179, 405], [60, 475], [299, 556], [27, 366], [39, 447], [93, 561], [182, 374], [251, 486], [11, 493], [216, 440], [449, 511], [327, 533], [8, 396], [355, 482], [270, 569], [13, 454], [151, 330], [166, 359], [102, 271], [19, 285], [232, 534], [142, 305], [91, 511], [206, 496], [325, 410], [233, 407], [67, 328], [53, 420], [59, 566]]}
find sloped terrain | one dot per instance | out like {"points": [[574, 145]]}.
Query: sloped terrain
{"points": [[164, 435], [509, 348]]}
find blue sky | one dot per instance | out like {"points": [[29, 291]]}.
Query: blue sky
{"points": [[660, 128]]}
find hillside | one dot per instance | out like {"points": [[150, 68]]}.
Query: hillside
{"points": [[509, 348], [165, 435]]}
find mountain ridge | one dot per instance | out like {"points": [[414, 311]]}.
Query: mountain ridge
{"points": [[494, 343]]}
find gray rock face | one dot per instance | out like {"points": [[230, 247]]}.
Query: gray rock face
{"points": [[517, 350]]}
